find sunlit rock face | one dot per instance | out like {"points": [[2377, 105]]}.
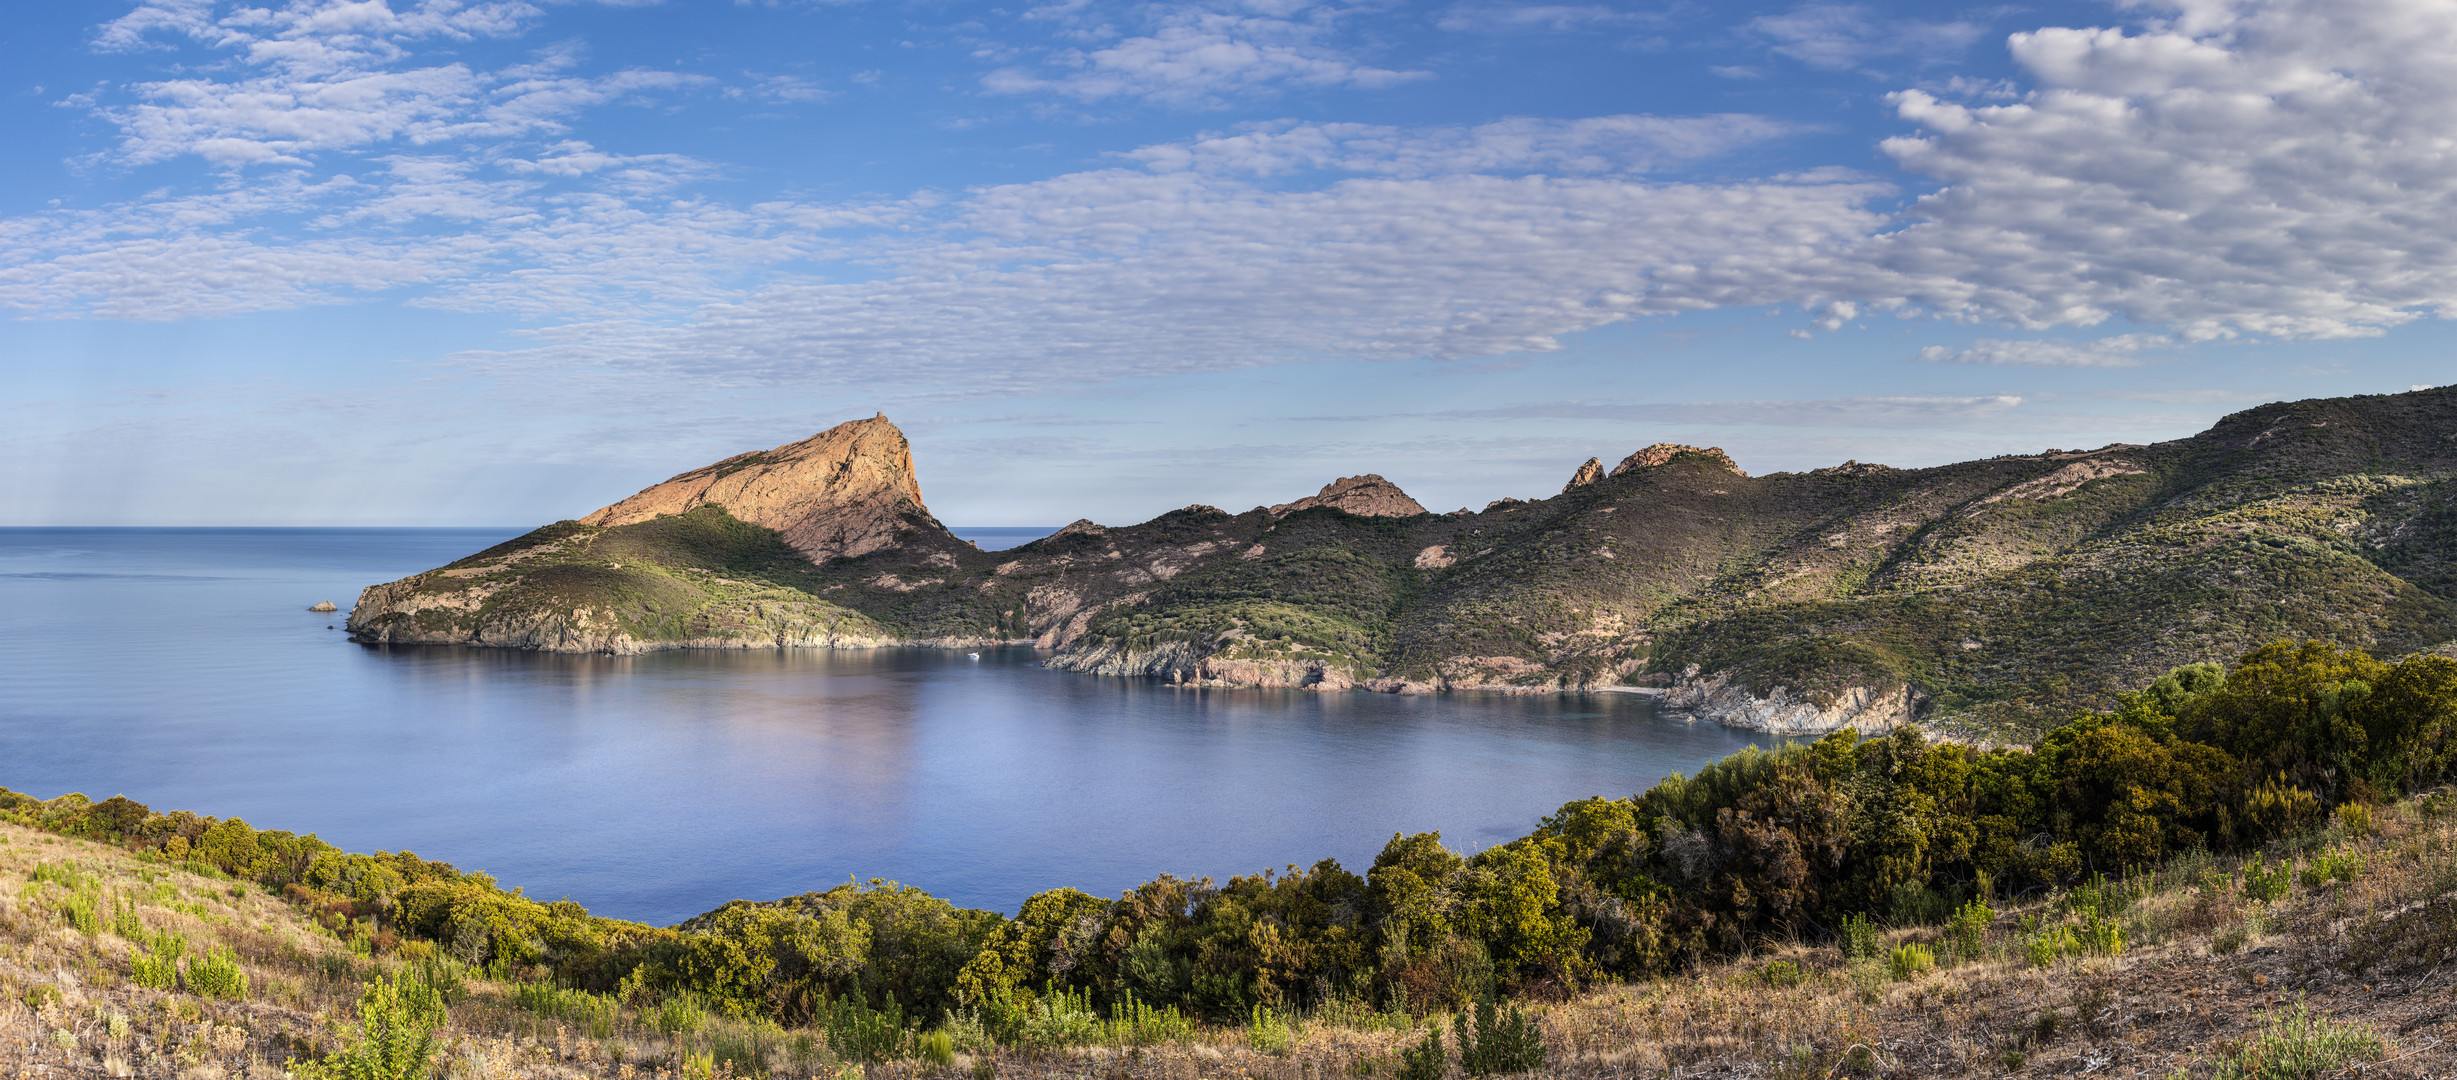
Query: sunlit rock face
{"points": [[846, 491], [1365, 496]]}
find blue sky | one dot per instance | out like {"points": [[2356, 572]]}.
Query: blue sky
{"points": [[501, 263]]}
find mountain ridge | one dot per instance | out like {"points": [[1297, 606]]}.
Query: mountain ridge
{"points": [[1990, 596]]}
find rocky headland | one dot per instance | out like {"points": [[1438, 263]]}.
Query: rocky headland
{"points": [[1984, 597]]}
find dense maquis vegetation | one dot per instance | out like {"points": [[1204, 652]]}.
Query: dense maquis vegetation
{"points": [[1808, 841]]}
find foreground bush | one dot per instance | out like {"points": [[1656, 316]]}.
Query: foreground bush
{"points": [[396, 1037], [2297, 1045]]}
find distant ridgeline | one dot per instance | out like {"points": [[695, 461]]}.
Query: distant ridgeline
{"points": [[1991, 596], [1807, 843]]}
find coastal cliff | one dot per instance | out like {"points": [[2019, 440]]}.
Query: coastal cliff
{"points": [[849, 490], [1984, 596]]}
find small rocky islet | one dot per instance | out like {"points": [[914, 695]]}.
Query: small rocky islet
{"points": [[1984, 598]]}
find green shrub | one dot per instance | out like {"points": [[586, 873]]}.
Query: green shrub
{"points": [[2099, 937], [1270, 1032], [1780, 973], [1969, 928], [859, 1033], [2264, 883], [2355, 819], [152, 971], [82, 910], [1860, 936], [597, 1013], [2045, 947], [1134, 1023], [677, 1014], [2102, 895], [1909, 961], [126, 924], [937, 1049], [743, 1051], [2296, 1045], [1503, 1041], [217, 975], [397, 1025], [2330, 867], [1426, 1060], [447, 977]]}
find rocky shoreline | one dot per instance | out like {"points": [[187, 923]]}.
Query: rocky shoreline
{"points": [[1713, 699]]}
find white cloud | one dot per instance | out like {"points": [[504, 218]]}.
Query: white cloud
{"points": [[1197, 56], [1840, 37], [335, 76], [1086, 276], [1508, 18], [2120, 351], [782, 89], [2276, 168], [1598, 145], [2191, 397], [1853, 412]]}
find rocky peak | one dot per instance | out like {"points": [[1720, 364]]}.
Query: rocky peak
{"points": [[1664, 451], [1588, 473], [1854, 467], [1081, 527], [846, 491], [1365, 496]]}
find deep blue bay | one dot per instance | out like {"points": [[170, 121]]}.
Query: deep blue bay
{"points": [[180, 667]]}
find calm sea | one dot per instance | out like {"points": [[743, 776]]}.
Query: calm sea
{"points": [[180, 667]]}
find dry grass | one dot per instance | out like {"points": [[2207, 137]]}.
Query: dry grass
{"points": [[2203, 969]]}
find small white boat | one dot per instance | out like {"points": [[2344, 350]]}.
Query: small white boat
{"points": [[975, 656]]}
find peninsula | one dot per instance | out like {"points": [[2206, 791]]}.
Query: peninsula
{"points": [[1987, 597]]}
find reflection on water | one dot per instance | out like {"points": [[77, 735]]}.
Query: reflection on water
{"points": [[180, 667]]}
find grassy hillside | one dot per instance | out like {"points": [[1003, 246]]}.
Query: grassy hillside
{"points": [[2004, 594]]}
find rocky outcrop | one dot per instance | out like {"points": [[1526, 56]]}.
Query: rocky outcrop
{"points": [[1779, 711], [2064, 480], [1663, 452], [322, 606], [1854, 467], [1186, 663], [1365, 496], [849, 490], [1587, 474]]}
